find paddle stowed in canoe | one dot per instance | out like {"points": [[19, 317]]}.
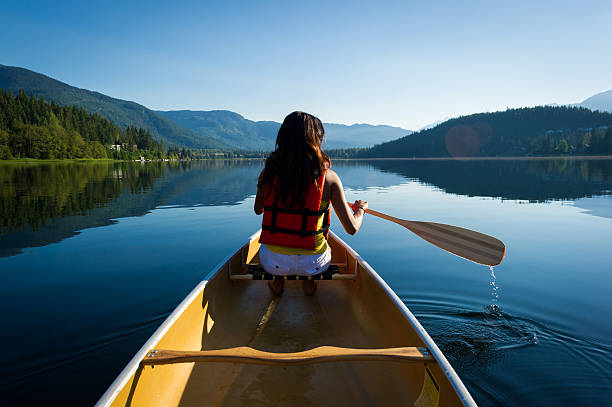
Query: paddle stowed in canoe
{"points": [[232, 342]]}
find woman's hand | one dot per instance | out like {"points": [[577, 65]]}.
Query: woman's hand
{"points": [[359, 205]]}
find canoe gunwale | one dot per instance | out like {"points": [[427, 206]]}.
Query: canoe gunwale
{"points": [[117, 385], [444, 365]]}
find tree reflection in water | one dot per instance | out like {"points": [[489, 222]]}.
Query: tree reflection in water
{"points": [[533, 180], [45, 203]]}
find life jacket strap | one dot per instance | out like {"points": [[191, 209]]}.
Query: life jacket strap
{"points": [[295, 232], [326, 220], [274, 210], [297, 211]]}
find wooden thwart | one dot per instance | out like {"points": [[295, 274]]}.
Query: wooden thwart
{"points": [[256, 272], [321, 354]]}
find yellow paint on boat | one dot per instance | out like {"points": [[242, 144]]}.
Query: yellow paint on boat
{"points": [[221, 313]]}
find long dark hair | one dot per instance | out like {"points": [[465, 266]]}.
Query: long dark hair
{"points": [[298, 159]]}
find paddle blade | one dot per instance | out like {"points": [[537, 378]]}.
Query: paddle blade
{"points": [[466, 243]]}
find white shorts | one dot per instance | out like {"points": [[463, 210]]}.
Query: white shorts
{"points": [[294, 264]]}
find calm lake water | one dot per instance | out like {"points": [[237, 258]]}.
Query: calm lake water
{"points": [[94, 256]]}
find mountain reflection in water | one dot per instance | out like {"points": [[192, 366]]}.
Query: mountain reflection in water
{"points": [[45, 203], [530, 180]]}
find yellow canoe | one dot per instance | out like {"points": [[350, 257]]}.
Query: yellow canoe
{"points": [[232, 342]]}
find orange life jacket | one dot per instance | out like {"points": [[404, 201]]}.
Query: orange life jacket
{"points": [[295, 226]]}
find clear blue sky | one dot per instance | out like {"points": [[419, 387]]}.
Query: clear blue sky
{"points": [[348, 62]]}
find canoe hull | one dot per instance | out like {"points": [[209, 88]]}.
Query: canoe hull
{"points": [[222, 313]]}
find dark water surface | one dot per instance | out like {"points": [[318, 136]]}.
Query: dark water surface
{"points": [[94, 256]]}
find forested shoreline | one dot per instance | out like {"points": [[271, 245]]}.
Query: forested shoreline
{"points": [[536, 131], [34, 128]]}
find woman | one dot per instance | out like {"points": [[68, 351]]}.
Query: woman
{"points": [[294, 191]]}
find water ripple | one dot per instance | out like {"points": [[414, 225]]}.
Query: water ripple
{"points": [[482, 340], [43, 362], [476, 338]]}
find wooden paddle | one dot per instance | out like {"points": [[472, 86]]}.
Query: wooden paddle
{"points": [[466, 243]]}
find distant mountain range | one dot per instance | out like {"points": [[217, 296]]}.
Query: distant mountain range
{"points": [[601, 101], [232, 128], [361, 135], [217, 129], [227, 127]]}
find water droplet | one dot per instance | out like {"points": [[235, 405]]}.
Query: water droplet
{"points": [[494, 289]]}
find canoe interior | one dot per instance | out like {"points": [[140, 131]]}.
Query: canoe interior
{"points": [[357, 314]]}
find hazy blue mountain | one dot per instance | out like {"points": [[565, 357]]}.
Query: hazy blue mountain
{"points": [[232, 128], [120, 112], [227, 127], [601, 101], [361, 135]]}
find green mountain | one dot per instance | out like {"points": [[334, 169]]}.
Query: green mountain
{"points": [[543, 130], [121, 112], [241, 133]]}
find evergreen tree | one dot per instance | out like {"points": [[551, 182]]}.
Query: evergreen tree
{"points": [[32, 128]]}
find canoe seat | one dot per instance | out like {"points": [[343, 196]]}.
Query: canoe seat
{"points": [[256, 272], [321, 354]]}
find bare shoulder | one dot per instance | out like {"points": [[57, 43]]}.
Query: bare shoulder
{"points": [[332, 181], [331, 177]]}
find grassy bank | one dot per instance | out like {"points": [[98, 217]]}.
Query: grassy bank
{"points": [[47, 161], [543, 157]]}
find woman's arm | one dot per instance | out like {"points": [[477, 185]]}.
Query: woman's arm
{"points": [[351, 220], [259, 200]]}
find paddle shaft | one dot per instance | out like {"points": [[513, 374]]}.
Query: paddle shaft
{"points": [[384, 216]]}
